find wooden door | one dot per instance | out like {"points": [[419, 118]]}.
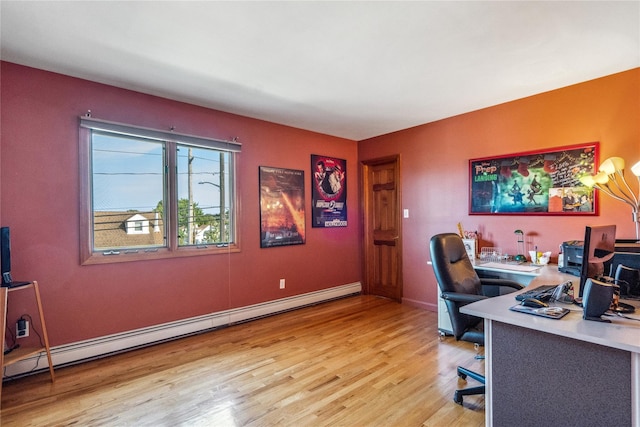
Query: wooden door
{"points": [[382, 228]]}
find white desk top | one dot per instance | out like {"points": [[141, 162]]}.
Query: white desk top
{"points": [[621, 333], [524, 269]]}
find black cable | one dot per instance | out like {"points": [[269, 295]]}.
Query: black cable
{"points": [[35, 331], [11, 377], [14, 343], [627, 317]]}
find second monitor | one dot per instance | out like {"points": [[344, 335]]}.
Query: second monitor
{"points": [[599, 247]]}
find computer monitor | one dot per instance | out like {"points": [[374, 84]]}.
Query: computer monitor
{"points": [[599, 247]]}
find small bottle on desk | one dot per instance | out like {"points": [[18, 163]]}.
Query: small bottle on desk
{"points": [[560, 258]]}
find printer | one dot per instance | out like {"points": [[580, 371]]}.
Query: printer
{"points": [[572, 259]]}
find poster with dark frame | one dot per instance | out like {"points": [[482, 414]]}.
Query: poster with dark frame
{"points": [[282, 215], [545, 182], [328, 191]]}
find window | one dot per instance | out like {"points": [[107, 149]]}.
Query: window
{"points": [[154, 194], [203, 177]]}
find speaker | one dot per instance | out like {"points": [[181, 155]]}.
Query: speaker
{"points": [[596, 299], [628, 279]]}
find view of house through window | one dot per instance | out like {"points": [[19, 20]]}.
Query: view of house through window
{"points": [[128, 183], [203, 196], [145, 190]]}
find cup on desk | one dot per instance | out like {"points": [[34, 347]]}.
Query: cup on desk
{"points": [[540, 258]]}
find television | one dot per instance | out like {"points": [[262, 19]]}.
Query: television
{"points": [[5, 260], [599, 246], [5, 254]]}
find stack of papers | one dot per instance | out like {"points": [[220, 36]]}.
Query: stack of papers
{"points": [[550, 312], [514, 267]]}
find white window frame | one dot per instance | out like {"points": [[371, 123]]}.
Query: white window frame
{"points": [[171, 139]]}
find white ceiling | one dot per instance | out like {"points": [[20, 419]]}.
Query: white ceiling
{"points": [[350, 69]]}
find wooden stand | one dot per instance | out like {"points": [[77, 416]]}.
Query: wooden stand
{"points": [[22, 352]]}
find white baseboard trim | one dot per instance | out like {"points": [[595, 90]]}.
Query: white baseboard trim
{"points": [[420, 304], [94, 348]]}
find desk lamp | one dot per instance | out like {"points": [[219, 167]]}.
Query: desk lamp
{"points": [[610, 179], [520, 243]]}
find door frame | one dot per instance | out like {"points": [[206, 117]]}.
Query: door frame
{"points": [[365, 202]]}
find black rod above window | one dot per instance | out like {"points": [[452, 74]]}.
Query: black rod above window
{"points": [[160, 135]]}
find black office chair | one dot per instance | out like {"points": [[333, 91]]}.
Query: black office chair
{"points": [[460, 285]]}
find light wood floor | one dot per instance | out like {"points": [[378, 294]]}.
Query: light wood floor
{"points": [[358, 361]]}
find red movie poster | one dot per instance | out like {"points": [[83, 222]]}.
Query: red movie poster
{"points": [[329, 191]]}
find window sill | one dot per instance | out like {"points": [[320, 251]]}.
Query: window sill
{"points": [[159, 253]]}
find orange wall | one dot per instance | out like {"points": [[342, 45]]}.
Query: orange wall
{"points": [[39, 190], [434, 162]]}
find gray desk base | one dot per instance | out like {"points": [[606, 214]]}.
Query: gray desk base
{"points": [[539, 378]]}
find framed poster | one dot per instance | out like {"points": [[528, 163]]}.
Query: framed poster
{"points": [[328, 191], [282, 216], [534, 183]]}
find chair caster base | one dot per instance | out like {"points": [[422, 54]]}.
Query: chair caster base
{"points": [[457, 398]]}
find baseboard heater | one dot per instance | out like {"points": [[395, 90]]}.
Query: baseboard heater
{"points": [[81, 351]]}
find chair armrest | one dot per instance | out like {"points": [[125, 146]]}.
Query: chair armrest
{"points": [[495, 287], [501, 282], [462, 298]]}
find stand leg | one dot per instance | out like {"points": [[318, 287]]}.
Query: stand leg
{"points": [[44, 330], [3, 325]]}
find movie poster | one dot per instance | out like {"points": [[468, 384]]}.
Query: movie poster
{"points": [[535, 183], [282, 217], [329, 191]]}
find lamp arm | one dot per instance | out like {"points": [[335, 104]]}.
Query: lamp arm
{"points": [[608, 191], [621, 175]]}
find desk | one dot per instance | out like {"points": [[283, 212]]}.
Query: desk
{"points": [[561, 372], [549, 273], [522, 274]]}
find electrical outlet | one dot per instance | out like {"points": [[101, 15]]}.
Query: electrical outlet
{"points": [[22, 328], [281, 283]]}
